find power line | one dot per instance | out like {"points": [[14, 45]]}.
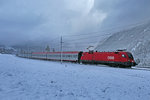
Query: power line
{"points": [[111, 28], [98, 36]]}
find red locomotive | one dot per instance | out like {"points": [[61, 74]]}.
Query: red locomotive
{"points": [[118, 58]]}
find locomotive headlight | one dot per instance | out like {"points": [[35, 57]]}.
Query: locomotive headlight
{"points": [[123, 56]]}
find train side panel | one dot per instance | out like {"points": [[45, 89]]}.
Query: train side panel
{"points": [[39, 55], [106, 56], [66, 56]]}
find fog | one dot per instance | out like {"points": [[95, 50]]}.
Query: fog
{"points": [[22, 21]]}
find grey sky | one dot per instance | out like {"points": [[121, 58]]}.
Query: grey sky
{"points": [[25, 20]]}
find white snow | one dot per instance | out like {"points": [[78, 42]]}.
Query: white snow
{"points": [[27, 79]]}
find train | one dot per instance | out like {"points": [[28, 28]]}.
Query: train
{"points": [[118, 58]]}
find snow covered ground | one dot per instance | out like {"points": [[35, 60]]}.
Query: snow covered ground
{"points": [[27, 79]]}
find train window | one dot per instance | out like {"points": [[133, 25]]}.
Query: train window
{"points": [[123, 56], [116, 52], [130, 55], [75, 56]]}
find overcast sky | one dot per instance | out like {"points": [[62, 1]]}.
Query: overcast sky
{"points": [[24, 20]]}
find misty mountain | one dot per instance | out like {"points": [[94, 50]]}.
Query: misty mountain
{"points": [[136, 40]]}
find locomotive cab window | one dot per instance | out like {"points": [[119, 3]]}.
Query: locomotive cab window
{"points": [[130, 55]]}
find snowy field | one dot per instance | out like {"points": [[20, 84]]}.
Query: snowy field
{"points": [[27, 79]]}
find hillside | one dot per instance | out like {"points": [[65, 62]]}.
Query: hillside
{"points": [[135, 40]]}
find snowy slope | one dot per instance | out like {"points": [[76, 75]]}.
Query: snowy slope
{"points": [[27, 79], [135, 40]]}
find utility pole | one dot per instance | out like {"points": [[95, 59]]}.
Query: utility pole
{"points": [[61, 55]]}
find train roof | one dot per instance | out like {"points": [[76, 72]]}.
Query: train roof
{"points": [[72, 52]]}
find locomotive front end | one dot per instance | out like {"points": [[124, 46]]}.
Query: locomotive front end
{"points": [[131, 59]]}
